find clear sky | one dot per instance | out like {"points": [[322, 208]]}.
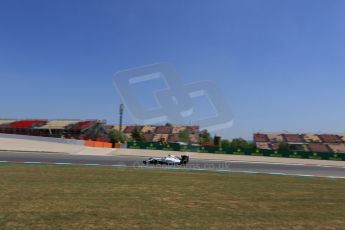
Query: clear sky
{"points": [[280, 64]]}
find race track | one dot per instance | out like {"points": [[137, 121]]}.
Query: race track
{"points": [[135, 161]]}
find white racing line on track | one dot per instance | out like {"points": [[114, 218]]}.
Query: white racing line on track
{"points": [[258, 162], [119, 166], [184, 169], [279, 163], [246, 172]]}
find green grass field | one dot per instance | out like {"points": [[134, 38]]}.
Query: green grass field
{"points": [[66, 197]]}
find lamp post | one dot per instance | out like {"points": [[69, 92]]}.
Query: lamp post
{"points": [[122, 107]]}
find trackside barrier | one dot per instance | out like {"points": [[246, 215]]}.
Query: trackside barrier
{"points": [[44, 139], [239, 151], [98, 144], [89, 143]]}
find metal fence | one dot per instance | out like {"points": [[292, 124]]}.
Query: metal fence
{"points": [[239, 151]]}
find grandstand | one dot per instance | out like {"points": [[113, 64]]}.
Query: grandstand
{"points": [[293, 138], [24, 127], [58, 124], [321, 143], [178, 129], [337, 148], [130, 129], [164, 130], [149, 129], [275, 137], [263, 145], [162, 133], [342, 137], [4, 122], [76, 129], [98, 130], [311, 138], [147, 136], [327, 138], [117, 127], [160, 137], [318, 147]]}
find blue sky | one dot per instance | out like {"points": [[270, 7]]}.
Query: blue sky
{"points": [[279, 64]]}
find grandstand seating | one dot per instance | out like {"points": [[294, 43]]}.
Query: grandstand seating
{"points": [[149, 136], [82, 125], [258, 137], [302, 142], [193, 129], [263, 145], [24, 124], [92, 130], [275, 137], [159, 137], [58, 124], [298, 147], [342, 137], [275, 145], [169, 133], [337, 148], [318, 147], [173, 137], [117, 127], [56, 128], [194, 138], [164, 130], [310, 138], [129, 129], [294, 138], [328, 138], [149, 129], [5, 122], [178, 129]]}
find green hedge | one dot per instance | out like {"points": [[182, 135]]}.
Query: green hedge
{"points": [[250, 152]]}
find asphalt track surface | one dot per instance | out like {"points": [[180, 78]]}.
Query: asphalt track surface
{"points": [[194, 164]]}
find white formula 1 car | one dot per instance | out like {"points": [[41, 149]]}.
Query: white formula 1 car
{"points": [[169, 160]]}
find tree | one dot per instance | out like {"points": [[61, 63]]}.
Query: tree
{"points": [[239, 143], [184, 136], [217, 141], [226, 143], [168, 124], [116, 136], [137, 135], [283, 146], [205, 137]]}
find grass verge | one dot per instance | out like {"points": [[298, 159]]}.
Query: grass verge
{"points": [[69, 197]]}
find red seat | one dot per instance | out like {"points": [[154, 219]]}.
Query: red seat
{"points": [[318, 147], [82, 125], [294, 138], [258, 137], [329, 138]]}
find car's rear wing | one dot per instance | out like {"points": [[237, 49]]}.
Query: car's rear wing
{"points": [[184, 159]]}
